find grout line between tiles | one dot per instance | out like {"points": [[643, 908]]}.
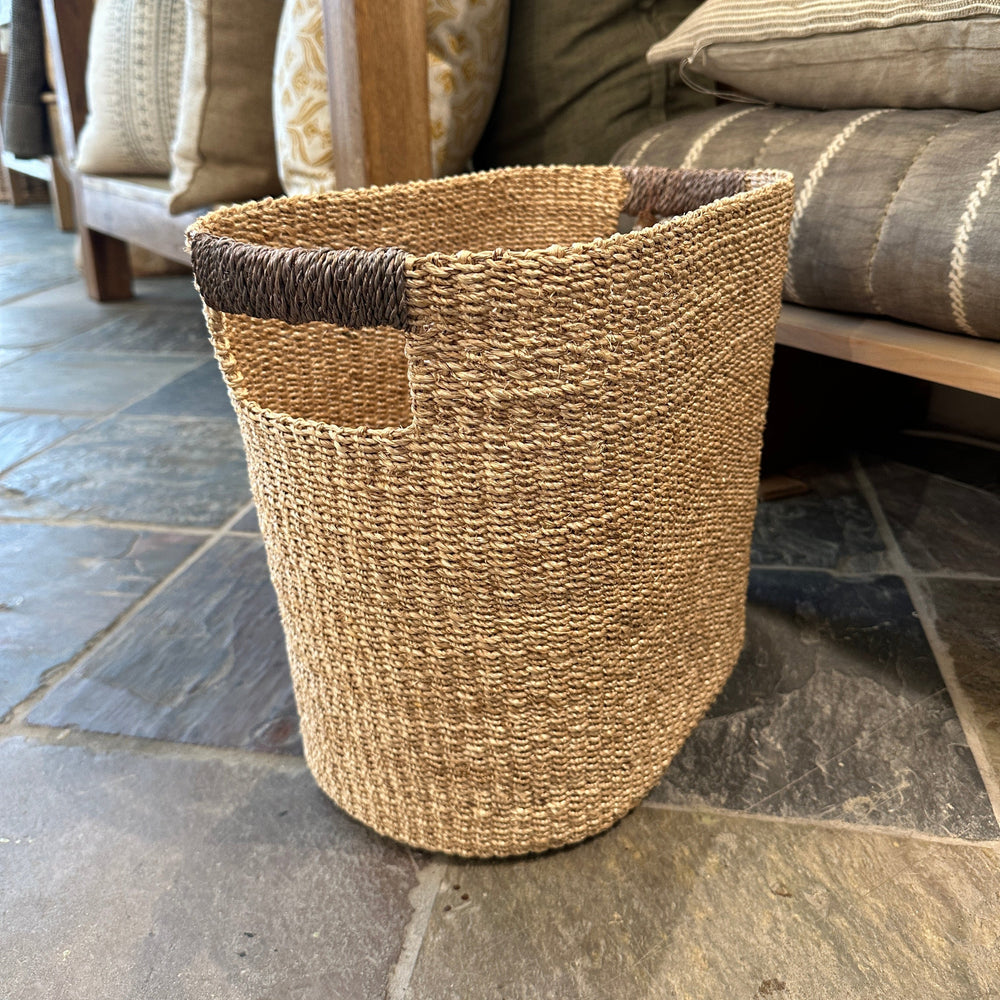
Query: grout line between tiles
{"points": [[15, 300], [55, 674], [942, 654], [91, 420], [71, 522], [422, 897], [108, 743], [897, 833], [931, 574]]}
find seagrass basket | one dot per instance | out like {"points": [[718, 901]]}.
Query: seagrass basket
{"points": [[505, 462]]}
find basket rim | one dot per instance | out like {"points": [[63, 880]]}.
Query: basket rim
{"points": [[756, 181]]}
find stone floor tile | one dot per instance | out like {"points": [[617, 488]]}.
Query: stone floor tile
{"points": [[203, 662], [138, 469], [197, 393], [33, 253], [7, 355], [66, 382], [167, 288], [25, 325], [248, 522], [940, 524], [831, 527], [967, 619], [965, 461], [836, 710], [47, 318], [128, 875], [673, 905], [60, 587], [24, 277], [171, 329], [23, 434]]}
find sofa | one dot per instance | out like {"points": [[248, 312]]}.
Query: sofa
{"points": [[872, 279]]}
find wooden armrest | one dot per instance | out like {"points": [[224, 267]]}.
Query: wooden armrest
{"points": [[376, 56]]}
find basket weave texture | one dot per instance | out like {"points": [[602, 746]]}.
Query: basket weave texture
{"points": [[506, 494]]}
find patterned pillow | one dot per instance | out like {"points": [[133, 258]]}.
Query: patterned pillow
{"points": [[465, 46], [897, 212], [845, 53], [134, 67]]}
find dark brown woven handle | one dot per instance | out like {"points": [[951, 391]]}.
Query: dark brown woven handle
{"points": [[352, 288], [367, 288], [661, 191]]}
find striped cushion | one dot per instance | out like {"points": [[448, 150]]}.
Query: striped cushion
{"points": [[897, 212], [845, 53], [134, 67]]}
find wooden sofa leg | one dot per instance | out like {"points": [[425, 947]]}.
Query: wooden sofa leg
{"points": [[106, 266]]}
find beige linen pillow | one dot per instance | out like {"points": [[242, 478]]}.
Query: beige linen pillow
{"points": [[465, 48], [135, 58], [845, 53], [224, 147]]}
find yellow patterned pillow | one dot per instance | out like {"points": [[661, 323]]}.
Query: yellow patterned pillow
{"points": [[466, 40]]}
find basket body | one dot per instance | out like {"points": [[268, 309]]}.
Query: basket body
{"points": [[507, 507]]}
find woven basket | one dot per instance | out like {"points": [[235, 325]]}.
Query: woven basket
{"points": [[506, 494]]}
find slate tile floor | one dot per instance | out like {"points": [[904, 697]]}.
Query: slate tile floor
{"points": [[829, 830]]}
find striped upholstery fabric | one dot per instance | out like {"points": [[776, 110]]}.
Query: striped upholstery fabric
{"points": [[897, 213], [761, 20], [844, 53]]}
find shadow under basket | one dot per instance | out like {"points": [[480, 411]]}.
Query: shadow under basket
{"points": [[506, 494]]}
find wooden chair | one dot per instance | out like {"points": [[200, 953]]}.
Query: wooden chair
{"points": [[378, 83], [380, 125]]}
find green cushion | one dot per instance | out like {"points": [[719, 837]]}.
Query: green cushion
{"points": [[576, 84]]}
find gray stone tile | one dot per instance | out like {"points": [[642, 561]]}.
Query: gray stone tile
{"points": [[203, 662], [967, 618], [22, 434], [129, 875], [23, 277], [174, 288], [29, 231], [61, 587], [248, 522], [9, 355], [65, 382], [831, 527], [34, 254], [28, 326], [836, 710], [164, 329], [961, 461], [47, 319], [198, 393], [673, 905], [150, 470], [940, 524]]}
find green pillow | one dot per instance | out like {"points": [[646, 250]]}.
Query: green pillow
{"points": [[576, 84]]}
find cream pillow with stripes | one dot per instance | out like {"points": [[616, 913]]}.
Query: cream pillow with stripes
{"points": [[845, 53], [134, 66], [897, 212], [466, 40]]}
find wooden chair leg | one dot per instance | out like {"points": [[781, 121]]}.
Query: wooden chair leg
{"points": [[61, 193], [106, 266]]}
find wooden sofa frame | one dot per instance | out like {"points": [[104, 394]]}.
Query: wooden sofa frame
{"points": [[378, 83]]}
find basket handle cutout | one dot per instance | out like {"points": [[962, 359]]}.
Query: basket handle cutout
{"points": [[658, 192], [348, 288]]}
